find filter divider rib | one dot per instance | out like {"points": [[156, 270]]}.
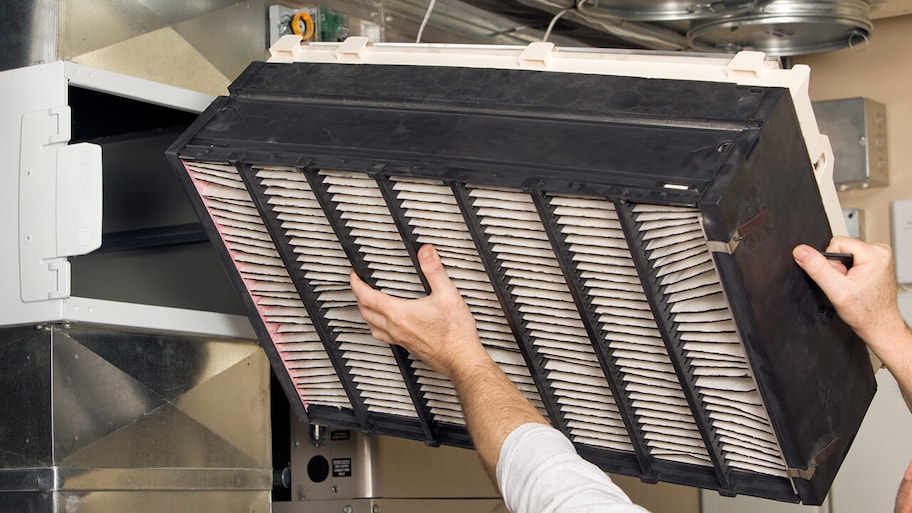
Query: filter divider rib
{"points": [[425, 417], [321, 192], [405, 231], [675, 350], [530, 354], [609, 368], [305, 291], [346, 240]]}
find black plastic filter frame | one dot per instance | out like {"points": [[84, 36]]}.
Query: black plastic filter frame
{"points": [[734, 154]]}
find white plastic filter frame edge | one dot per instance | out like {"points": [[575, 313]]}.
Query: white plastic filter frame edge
{"points": [[744, 68]]}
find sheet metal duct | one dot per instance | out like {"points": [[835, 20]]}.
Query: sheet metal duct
{"points": [[790, 27], [200, 46], [101, 420], [671, 10], [777, 27], [620, 224], [117, 362]]}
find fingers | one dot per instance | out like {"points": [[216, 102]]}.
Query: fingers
{"points": [[433, 269], [374, 307], [371, 302], [382, 335], [357, 284], [841, 244], [818, 268], [366, 295], [863, 252]]}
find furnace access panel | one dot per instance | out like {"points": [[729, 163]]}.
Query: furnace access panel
{"points": [[620, 225]]}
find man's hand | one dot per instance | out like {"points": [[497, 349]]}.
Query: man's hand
{"points": [[438, 329], [865, 298], [865, 295]]}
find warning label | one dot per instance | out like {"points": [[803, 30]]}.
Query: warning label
{"points": [[340, 435], [342, 467]]}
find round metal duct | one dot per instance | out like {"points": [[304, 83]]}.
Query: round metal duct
{"points": [[667, 10], [789, 27]]}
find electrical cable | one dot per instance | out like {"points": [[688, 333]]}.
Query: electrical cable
{"points": [[553, 22], [653, 38], [427, 15], [620, 28]]}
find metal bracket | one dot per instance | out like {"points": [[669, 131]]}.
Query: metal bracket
{"points": [[740, 234], [799, 473], [728, 248], [815, 462]]}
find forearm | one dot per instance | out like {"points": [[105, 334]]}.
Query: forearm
{"points": [[904, 495], [865, 298], [493, 408], [894, 348]]}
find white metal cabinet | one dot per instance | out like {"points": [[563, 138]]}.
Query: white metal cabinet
{"points": [[35, 288]]}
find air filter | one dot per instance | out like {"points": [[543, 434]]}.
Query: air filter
{"points": [[620, 225]]}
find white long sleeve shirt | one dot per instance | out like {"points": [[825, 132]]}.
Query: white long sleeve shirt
{"points": [[539, 471]]}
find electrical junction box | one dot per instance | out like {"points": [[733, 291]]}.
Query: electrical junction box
{"points": [[901, 225], [854, 219], [857, 128]]}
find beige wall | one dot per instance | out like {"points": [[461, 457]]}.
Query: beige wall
{"points": [[882, 72], [660, 497]]}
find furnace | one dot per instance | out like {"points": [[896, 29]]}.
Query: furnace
{"points": [[619, 223]]}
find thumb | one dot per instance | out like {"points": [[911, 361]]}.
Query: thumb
{"points": [[818, 268], [433, 269]]}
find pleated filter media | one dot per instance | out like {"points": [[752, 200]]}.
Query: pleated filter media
{"points": [[623, 243]]}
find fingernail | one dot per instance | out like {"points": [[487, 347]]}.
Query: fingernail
{"points": [[800, 253], [426, 253]]}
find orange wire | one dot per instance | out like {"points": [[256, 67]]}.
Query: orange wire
{"points": [[309, 27]]}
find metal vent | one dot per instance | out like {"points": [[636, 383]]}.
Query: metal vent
{"points": [[629, 269]]}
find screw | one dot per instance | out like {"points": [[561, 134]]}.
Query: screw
{"points": [[347, 509], [335, 488], [376, 508]]}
